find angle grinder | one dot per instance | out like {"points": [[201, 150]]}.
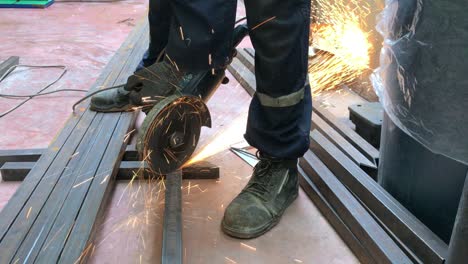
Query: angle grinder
{"points": [[170, 132]]}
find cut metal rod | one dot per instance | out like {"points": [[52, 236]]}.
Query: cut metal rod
{"points": [[172, 227]]}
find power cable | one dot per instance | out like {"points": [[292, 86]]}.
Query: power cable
{"points": [[40, 92], [95, 92]]}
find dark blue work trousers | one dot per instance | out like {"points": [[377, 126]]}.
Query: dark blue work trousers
{"points": [[197, 35]]}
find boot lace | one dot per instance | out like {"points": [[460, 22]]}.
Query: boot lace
{"points": [[259, 184]]}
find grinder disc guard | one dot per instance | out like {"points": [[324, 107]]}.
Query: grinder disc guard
{"points": [[170, 132]]}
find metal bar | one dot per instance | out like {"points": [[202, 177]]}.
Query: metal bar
{"points": [[61, 156], [128, 169], [250, 159], [7, 64], [243, 75], [414, 234], [131, 154], [200, 171], [18, 171], [349, 134], [250, 51], [246, 59], [20, 155], [85, 224], [31, 155], [334, 219], [367, 165], [458, 249], [372, 236], [172, 227]]}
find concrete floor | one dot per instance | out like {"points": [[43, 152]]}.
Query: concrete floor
{"points": [[83, 37]]}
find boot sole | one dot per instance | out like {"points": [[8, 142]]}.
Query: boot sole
{"points": [[263, 230]]}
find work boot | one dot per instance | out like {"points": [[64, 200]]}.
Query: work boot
{"points": [[143, 89], [259, 207]]}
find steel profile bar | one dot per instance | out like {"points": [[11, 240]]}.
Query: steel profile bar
{"points": [[172, 226], [20, 155], [413, 234], [371, 235], [333, 218]]}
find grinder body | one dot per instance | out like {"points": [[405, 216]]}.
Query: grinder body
{"points": [[170, 132]]}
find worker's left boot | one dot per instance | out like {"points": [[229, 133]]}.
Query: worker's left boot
{"points": [[143, 89], [259, 207]]}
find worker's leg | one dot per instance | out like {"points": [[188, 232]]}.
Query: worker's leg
{"points": [[201, 32], [279, 115], [198, 38], [159, 18], [201, 35]]}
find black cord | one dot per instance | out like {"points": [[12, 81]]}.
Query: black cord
{"points": [[13, 96], [95, 92], [112, 87], [29, 97], [240, 20]]}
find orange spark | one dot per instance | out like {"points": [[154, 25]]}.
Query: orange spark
{"points": [[230, 260], [29, 212], [127, 136], [105, 179], [263, 23], [249, 247], [344, 47], [83, 182], [221, 141]]}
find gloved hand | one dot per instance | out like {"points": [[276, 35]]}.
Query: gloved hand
{"points": [[159, 79]]}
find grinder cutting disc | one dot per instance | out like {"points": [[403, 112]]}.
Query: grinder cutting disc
{"points": [[170, 132]]}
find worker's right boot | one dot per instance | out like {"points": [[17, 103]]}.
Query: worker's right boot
{"points": [[143, 89], [259, 207]]}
